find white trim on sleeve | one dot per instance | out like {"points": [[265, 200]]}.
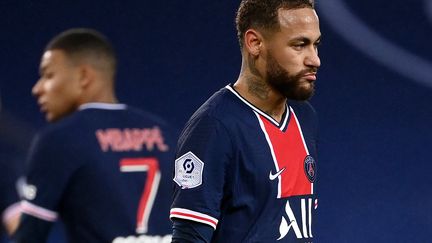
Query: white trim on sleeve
{"points": [[183, 213], [38, 212]]}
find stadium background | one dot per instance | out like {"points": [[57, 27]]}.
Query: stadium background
{"points": [[373, 94]]}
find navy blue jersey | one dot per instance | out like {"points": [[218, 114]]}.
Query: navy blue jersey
{"points": [[246, 175], [105, 171]]}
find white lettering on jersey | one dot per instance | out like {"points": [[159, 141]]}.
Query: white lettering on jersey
{"points": [[306, 221]]}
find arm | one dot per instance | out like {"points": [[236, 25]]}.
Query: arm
{"points": [[37, 228], [189, 231], [11, 217], [199, 177], [41, 191]]}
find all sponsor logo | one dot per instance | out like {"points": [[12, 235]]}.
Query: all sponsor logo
{"points": [[301, 226]]}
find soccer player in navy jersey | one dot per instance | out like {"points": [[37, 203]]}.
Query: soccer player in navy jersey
{"points": [[102, 167], [246, 161]]}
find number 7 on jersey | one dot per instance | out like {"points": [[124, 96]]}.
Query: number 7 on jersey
{"points": [[151, 166]]}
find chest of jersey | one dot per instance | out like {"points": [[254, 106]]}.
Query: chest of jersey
{"points": [[276, 159], [274, 177]]}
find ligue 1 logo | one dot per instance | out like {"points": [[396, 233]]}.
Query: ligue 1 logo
{"points": [[188, 166], [188, 171], [310, 168]]}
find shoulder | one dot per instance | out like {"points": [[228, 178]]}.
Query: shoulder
{"points": [[150, 120], [62, 127], [146, 115], [57, 135], [52, 131], [222, 106], [212, 117]]}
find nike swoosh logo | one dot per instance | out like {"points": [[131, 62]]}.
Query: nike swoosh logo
{"points": [[274, 176]]}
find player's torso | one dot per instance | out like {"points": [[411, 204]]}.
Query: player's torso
{"points": [[270, 193], [121, 187]]}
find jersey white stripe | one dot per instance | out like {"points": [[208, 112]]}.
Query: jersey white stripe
{"points": [[303, 140], [272, 153], [194, 216], [38, 212], [271, 119], [133, 168], [301, 132], [285, 121]]}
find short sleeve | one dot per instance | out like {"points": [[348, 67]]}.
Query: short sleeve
{"points": [[49, 168], [203, 152]]}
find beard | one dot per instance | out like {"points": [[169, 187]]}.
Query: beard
{"points": [[291, 86]]}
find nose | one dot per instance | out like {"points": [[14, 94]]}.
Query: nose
{"points": [[312, 59], [36, 90]]}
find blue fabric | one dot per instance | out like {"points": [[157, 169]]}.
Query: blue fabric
{"points": [[78, 174], [226, 136]]}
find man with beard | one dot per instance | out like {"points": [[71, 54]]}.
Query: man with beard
{"points": [[245, 166]]}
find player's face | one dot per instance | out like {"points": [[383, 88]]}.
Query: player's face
{"points": [[57, 91], [292, 56]]}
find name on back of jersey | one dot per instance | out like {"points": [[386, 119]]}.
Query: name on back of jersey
{"points": [[131, 139]]}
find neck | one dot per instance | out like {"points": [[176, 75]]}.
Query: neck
{"points": [[99, 95], [252, 86]]}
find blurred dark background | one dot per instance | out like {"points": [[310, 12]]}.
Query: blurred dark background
{"points": [[374, 93]]}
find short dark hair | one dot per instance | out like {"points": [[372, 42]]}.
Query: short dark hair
{"points": [[263, 14], [83, 43]]}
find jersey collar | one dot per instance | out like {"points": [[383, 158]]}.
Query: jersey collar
{"points": [[285, 117], [103, 106]]}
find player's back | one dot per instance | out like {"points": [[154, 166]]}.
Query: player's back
{"points": [[111, 166]]}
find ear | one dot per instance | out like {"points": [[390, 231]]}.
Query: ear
{"points": [[253, 42], [86, 75]]}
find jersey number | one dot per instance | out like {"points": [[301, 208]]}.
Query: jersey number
{"points": [[151, 166]]}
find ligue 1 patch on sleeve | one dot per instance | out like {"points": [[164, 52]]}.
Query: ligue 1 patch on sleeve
{"points": [[188, 171]]}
